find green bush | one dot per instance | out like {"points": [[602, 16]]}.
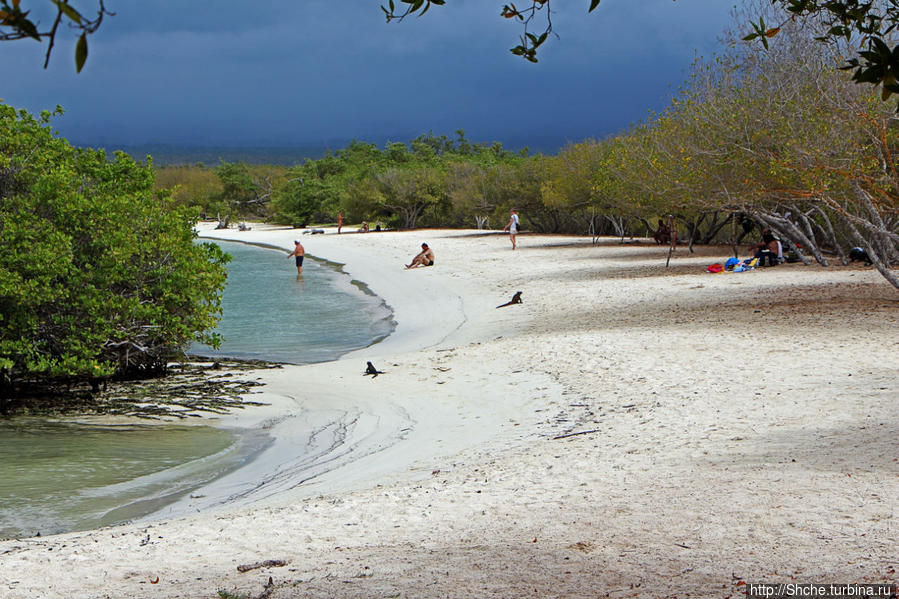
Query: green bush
{"points": [[99, 274]]}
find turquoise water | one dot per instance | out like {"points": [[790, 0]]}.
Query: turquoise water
{"points": [[270, 313], [58, 477]]}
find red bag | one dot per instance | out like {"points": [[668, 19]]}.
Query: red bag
{"points": [[715, 268]]}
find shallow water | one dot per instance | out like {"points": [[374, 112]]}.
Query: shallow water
{"points": [[272, 314], [59, 477]]}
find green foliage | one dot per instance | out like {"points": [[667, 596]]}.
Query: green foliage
{"points": [[15, 24], [238, 187], [403, 185], [193, 186], [98, 272], [301, 196]]}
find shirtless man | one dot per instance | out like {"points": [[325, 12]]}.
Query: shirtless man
{"points": [[768, 248], [299, 251], [424, 258], [513, 226]]}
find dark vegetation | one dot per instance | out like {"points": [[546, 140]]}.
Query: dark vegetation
{"points": [[99, 273]]}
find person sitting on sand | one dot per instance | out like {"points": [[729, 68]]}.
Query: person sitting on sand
{"points": [[769, 247], [424, 258], [300, 252]]}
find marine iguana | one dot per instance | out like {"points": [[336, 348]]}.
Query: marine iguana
{"points": [[516, 299], [371, 370]]}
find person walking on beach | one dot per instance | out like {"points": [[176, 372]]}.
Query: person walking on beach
{"points": [[299, 252], [339, 221], [424, 258], [513, 226]]}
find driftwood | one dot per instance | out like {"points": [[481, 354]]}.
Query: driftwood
{"points": [[269, 563], [596, 430]]}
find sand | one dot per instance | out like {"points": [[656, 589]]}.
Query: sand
{"points": [[629, 430]]}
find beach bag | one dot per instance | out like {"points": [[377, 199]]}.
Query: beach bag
{"points": [[715, 268]]}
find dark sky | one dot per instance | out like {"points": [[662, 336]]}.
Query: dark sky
{"points": [[314, 72]]}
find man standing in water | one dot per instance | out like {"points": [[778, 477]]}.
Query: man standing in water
{"points": [[299, 251], [513, 226]]}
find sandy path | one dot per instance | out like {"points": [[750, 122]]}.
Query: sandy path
{"points": [[744, 429]]}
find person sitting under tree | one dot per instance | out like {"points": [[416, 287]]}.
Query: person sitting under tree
{"points": [[769, 247]]}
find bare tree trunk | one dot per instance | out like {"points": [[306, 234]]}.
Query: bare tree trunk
{"points": [[810, 236], [882, 268], [885, 239], [832, 235], [715, 228], [693, 227]]}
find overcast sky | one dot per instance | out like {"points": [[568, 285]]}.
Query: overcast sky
{"points": [[289, 73]]}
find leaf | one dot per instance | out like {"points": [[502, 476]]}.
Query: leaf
{"points": [[81, 52], [68, 10], [772, 32], [28, 28], [880, 47]]}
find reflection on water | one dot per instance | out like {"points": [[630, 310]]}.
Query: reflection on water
{"points": [[270, 313], [57, 477]]}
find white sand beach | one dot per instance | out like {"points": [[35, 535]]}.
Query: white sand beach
{"points": [[629, 430]]}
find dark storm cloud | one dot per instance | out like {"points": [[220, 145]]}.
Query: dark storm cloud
{"points": [[293, 73]]}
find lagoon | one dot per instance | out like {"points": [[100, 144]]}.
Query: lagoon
{"points": [[59, 476], [272, 314]]}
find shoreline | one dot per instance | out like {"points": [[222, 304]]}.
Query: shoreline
{"points": [[325, 441], [628, 430]]}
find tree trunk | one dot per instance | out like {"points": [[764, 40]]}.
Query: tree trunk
{"points": [[715, 228], [832, 235], [693, 227], [882, 268]]}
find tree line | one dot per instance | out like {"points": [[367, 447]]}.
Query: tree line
{"points": [[758, 138]]}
